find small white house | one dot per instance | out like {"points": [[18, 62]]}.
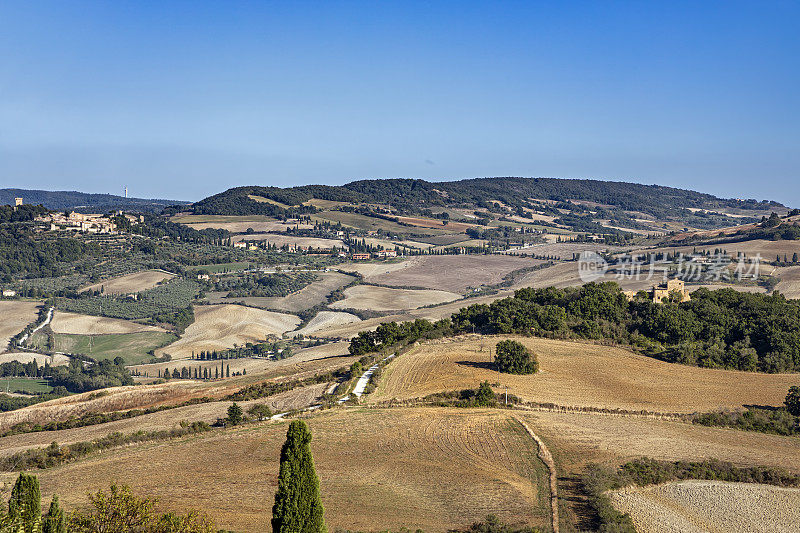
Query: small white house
{"points": [[9, 293]]}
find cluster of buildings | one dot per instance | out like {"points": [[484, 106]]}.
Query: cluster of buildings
{"points": [[86, 223], [380, 254], [665, 290]]}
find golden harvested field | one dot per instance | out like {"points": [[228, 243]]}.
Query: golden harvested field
{"points": [[578, 374], [291, 240], [326, 320], [433, 469], [77, 324], [454, 273], [384, 299], [168, 419], [140, 281], [315, 293], [789, 284], [579, 438], [218, 327], [26, 357], [710, 506], [15, 315]]}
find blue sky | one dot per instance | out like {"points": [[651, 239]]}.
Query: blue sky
{"points": [[185, 99]]}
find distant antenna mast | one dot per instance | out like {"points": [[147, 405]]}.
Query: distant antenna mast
{"points": [[126, 191]]}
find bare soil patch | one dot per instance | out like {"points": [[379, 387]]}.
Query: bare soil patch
{"points": [[578, 374], [373, 298], [130, 283], [710, 506], [77, 324]]}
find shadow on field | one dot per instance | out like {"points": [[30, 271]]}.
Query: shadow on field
{"points": [[764, 407], [571, 493], [477, 364]]}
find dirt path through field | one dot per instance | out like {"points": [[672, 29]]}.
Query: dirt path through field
{"points": [[547, 459]]}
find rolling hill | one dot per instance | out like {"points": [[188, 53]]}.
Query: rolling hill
{"points": [[575, 201]]}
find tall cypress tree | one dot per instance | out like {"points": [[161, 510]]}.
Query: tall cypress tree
{"points": [[26, 502], [298, 506], [55, 521]]}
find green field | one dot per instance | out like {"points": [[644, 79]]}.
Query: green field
{"points": [[133, 347], [28, 385], [224, 267]]}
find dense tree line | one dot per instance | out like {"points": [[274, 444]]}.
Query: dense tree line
{"points": [[24, 255], [21, 213], [80, 377], [718, 329]]}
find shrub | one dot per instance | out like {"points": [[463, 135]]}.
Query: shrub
{"points": [[511, 357], [793, 400]]}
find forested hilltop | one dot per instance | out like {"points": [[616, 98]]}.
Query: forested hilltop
{"points": [[83, 202], [413, 195]]}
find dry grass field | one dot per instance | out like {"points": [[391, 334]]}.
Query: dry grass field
{"points": [[327, 320], [578, 374], [77, 324], [374, 298], [15, 315], [433, 469], [454, 273], [291, 240], [315, 293], [140, 281], [710, 507], [218, 327]]}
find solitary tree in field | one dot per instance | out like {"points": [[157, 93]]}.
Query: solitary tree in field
{"points": [[793, 400], [260, 411], [485, 395], [234, 414], [512, 357], [298, 506]]}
